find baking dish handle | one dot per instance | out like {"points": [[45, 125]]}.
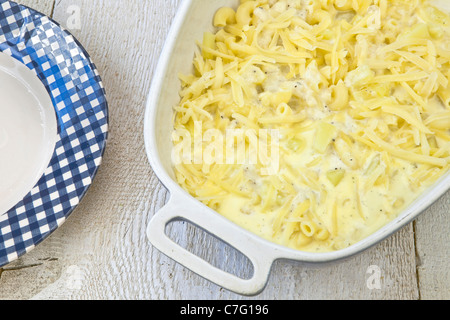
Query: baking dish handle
{"points": [[199, 215]]}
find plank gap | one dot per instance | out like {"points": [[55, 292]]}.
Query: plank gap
{"points": [[417, 259], [52, 11], [209, 248]]}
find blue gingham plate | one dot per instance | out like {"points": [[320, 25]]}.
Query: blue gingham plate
{"points": [[78, 96]]}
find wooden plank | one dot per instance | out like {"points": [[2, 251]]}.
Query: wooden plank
{"points": [[102, 252], [433, 248], [43, 6]]}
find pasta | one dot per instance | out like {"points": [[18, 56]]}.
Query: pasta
{"points": [[315, 123]]}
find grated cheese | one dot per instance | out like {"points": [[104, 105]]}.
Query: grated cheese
{"points": [[359, 93]]}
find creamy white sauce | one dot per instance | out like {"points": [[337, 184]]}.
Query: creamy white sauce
{"points": [[28, 131]]}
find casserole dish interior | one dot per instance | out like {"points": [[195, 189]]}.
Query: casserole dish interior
{"points": [[193, 19]]}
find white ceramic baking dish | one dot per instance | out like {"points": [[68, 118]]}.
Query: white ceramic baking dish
{"points": [[193, 19]]}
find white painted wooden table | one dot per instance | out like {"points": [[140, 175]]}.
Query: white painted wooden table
{"points": [[101, 252]]}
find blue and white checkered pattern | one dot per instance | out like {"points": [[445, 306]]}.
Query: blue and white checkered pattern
{"points": [[77, 93]]}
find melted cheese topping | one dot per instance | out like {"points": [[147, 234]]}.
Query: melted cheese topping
{"points": [[359, 92]]}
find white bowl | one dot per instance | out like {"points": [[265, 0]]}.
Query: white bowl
{"points": [[193, 19], [28, 131]]}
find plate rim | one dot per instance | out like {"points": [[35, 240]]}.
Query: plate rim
{"points": [[4, 259]]}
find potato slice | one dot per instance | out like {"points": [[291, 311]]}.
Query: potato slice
{"points": [[325, 133], [335, 176]]}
